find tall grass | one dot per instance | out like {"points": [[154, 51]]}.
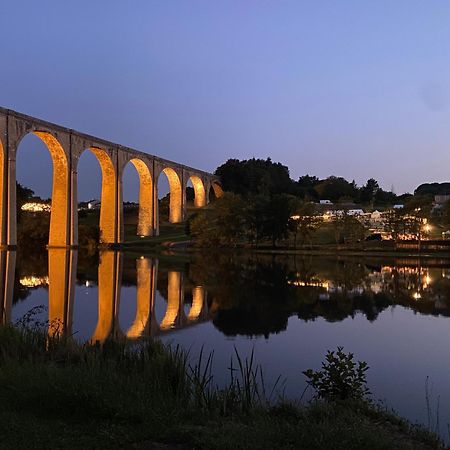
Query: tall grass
{"points": [[155, 371], [112, 395]]}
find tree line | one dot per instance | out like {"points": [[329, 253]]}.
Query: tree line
{"points": [[263, 205], [265, 177]]}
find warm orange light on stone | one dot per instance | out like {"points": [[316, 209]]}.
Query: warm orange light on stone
{"points": [[176, 196], [61, 279], [108, 207], [59, 235], [198, 307], [175, 300], [144, 323], [199, 190], [7, 271], [109, 281], [65, 147], [217, 188], [3, 199], [145, 225]]}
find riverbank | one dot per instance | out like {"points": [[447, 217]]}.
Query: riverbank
{"points": [[59, 394]]}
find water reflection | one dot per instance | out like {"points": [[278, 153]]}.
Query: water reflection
{"points": [[62, 266], [61, 279], [7, 269], [241, 295], [292, 308]]}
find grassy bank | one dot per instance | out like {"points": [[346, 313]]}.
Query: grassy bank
{"points": [[58, 394]]}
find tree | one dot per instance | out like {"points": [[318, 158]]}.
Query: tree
{"points": [[255, 177], [419, 205], [305, 187], [400, 223], [304, 223], [223, 225], [163, 208], [369, 191], [347, 228], [23, 195], [255, 217], [394, 223], [278, 212], [446, 214], [333, 188]]}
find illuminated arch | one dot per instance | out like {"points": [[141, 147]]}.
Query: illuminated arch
{"points": [[59, 234], [3, 201], [108, 205], [176, 196], [217, 189], [199, 190], [145, 225]]}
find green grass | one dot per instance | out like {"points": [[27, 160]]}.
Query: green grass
{"points": [[58, 394]]}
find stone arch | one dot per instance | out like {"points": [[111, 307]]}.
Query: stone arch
{"points": [[145, 220], [217, 189], [176, 195], [199, 191], [59, 235], [3, 200], [108, 201]]}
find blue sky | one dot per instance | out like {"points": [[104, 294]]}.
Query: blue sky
{"points": [[352, 88]]}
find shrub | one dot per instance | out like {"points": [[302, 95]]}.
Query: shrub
{"points": [[341, 378]]}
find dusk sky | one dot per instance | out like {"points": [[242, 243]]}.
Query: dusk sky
{"points": [[349, 88]]}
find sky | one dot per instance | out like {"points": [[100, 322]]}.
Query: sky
{"points": [[357, 89]]}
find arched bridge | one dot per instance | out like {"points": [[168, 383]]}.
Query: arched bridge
{"points": [[65, 147]]}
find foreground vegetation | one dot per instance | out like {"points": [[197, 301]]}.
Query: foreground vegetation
{"points": [[59, 394]]}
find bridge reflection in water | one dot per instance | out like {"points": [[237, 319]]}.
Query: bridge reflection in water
{"points": [[61, 280]]}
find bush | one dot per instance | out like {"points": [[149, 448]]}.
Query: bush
{"points": [[341, 378]]}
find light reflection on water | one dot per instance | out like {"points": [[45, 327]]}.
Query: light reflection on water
{"points": [[393, 313]]}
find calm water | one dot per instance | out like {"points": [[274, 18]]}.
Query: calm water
{"points": [[393, 313]]}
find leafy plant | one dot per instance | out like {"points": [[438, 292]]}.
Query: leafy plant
{"points": [[341, 378]]}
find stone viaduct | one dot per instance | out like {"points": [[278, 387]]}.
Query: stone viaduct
{"points": [[65, 147]]}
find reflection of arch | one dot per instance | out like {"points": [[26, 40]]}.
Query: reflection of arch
{"points": [[145, 225], [199, 308], [62, 268], [7, 270], [144, 322], [176, 196], [199, 190], [174, 316], [109, 281], [59, 235]]}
